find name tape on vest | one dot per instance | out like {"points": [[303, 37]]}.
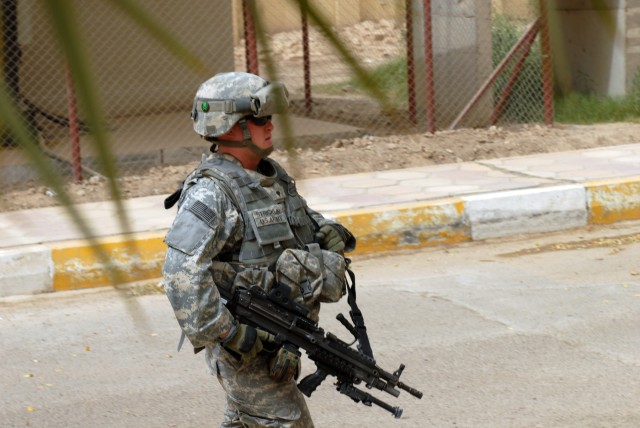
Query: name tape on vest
{"points": [[268, 216]]}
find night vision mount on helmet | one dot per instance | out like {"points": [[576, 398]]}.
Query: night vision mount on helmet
{"points": [[228, 98]]}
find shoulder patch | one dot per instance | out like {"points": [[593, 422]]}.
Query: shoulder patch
{"points": [[203, 212]]}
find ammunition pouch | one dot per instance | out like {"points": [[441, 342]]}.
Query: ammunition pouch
{"points": [[285, 364], [313, 275]]}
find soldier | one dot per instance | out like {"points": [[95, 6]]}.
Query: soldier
{"points": [[241, 223]]}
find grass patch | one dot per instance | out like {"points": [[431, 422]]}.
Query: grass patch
{"points": [[586, 109], [589, 108]]}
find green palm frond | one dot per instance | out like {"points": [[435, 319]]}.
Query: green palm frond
{"points": [[70, 40]]}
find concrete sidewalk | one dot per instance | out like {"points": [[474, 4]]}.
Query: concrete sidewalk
{"points": [[42, 251]]}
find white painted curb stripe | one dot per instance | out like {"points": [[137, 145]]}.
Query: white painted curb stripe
{"points": [[500, 214], [26, 270]]}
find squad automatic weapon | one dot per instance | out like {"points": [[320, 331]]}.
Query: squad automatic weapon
{"points": [[278, 314]]}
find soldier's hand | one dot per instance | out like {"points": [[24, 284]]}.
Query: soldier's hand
{"points": [[247, 341], [329, 238]]}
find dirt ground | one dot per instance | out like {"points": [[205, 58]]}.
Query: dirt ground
{"points": [[362, 154]]}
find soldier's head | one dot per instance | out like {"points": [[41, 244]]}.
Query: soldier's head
{"points": [[234, 110]]}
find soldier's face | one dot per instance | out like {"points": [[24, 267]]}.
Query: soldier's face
{"points": [[261, 134]]}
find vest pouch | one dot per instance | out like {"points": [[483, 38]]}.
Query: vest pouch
{"points": [[230, 275], [270, 225], [285, 364], [301, 271], [335, 280]]}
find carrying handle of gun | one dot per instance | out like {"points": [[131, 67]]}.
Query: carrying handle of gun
{"points": [[310, 382]]}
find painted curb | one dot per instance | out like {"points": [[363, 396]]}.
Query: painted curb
{"points": [[74, 264], [26, 270], [407, 226], [610, 201], [131, 258], [544, 209]]}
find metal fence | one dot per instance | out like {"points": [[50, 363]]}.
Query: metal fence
{"points": [[439, 64]]}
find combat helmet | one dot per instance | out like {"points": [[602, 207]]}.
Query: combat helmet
{"points": [[228, 98]]}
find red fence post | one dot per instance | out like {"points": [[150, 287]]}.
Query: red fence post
{"points": [[547, 66], [306, 63], [428, 57], [72, 111], [413, 69], [250, 41], [411, 73]]}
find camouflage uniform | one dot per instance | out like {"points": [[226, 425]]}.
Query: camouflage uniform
{"points": [[211, 243]]}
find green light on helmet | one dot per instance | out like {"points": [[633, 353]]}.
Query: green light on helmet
{"points": [[205, 106]]}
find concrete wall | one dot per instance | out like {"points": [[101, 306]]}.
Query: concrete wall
{"points": [[284, 15], [591, 46], [134, 72], [462, 58], [597, 47], [632, 34]]}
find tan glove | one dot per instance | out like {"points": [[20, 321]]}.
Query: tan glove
{"points": [[329, 238], [246, 341]]}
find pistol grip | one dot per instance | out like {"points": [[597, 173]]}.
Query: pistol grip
{"points": [[311, 382]]}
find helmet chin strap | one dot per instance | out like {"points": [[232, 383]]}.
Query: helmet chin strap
{"points": [[247, 141]]}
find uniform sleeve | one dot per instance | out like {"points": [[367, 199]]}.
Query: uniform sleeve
{"points": [[206, 223]]}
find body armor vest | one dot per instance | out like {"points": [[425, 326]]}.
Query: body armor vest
{"points": [[274, 215]]}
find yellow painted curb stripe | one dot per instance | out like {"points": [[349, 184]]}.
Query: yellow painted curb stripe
{"points": [[407, 226], [140, 256], [133, 258], [614, 200]]}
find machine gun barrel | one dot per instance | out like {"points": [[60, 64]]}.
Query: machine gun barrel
{"points": [[410, 390]]}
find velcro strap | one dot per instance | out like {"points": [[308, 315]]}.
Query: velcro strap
{"points": [[225, 106]]}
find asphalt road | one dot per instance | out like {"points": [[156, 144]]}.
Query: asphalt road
{"points": [[538, 331]]}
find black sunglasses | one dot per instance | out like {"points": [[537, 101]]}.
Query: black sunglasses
{"points": [[259, 121]]}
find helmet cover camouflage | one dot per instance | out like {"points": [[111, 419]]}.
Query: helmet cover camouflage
{"points": [[223, 100]]}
